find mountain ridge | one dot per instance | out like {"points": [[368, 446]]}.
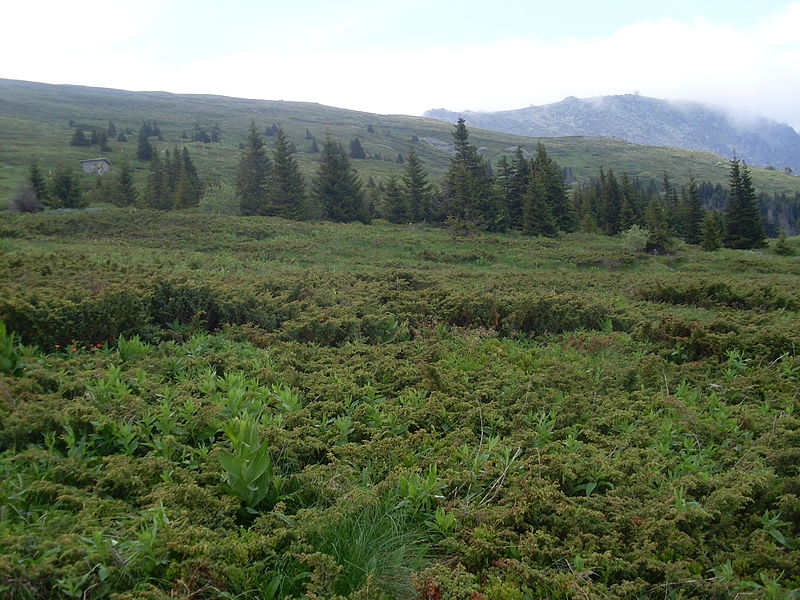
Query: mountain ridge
{"points": [[648, 121]]}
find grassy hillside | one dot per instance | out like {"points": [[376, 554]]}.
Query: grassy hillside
{"points": [[34, 121], [446, 418]]}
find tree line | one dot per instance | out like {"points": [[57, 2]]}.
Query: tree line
{"points": [[522, 192]]}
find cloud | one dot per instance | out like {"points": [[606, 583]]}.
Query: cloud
{"points": [[754, 69]]}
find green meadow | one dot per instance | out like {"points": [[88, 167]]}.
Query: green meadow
{"points": [[197, 406]]}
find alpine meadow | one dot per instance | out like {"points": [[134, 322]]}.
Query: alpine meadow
{"points": [[268, 350]]}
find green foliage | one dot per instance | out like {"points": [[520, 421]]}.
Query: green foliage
{"points": [[711, 231], [377, 551], [219, 199], [287, 188], [131, 349], [337, 187], [10, 354], [356, 149], [636, 238], [782, 247], [445, 417], [64, 190], [253, 173], [248, 469], [123, 191], [743, 227]]}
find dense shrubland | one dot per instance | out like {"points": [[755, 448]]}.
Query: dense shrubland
{"points": [[204, 406]]}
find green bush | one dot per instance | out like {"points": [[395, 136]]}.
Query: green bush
{"points": [[83, 321], [10, 355]]}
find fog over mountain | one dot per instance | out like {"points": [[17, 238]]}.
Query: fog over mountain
{"points": [[651, 121]]}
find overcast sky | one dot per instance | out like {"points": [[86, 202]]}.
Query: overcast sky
{"points": [[411, 55]]}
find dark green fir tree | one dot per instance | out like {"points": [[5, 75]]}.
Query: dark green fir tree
{"points": [[337, 188], [395, 209], [64, 189], [418, 193], [287, 189], [37, 181], [252, 176], [144, 150], [711, 231], [537, 214], [122, 191], [356, 149], [743, 227], [157, 196]]}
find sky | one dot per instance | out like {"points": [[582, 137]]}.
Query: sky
{"points": [[412, 55]]}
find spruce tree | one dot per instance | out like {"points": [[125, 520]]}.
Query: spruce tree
{"points": [[394, 205], [657, 224], [467, 186], [416, 189], [123, 191], [743, 227], [157, 196], [356, 149], [188, 188], [252, 178], [287, 190], [537, 214], [37, 181], [556, 192], [610, 203], [144, 150], [693, 213], [78, 138], [519, 179], [711, 231], [64, 190], [337, 187], [632, 205]]}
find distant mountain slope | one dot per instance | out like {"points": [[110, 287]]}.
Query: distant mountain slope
{"points": [[37, 121], [649, 121]]}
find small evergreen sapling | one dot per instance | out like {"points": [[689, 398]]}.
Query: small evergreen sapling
{"points": [[781, 246]]}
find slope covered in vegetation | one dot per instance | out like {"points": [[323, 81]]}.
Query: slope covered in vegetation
{"points": [[206, 407], [37, 122]]}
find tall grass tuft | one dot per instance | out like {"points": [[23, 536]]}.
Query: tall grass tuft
{"points": [[377, 548]]}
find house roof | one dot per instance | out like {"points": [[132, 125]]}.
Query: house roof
{"points": [[95, 160]]}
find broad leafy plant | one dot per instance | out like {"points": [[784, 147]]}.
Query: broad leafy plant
{"points": [[249, 472]]}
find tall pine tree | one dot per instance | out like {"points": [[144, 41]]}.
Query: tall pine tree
{"points": [[287, 190], [468, 187], [123, 191], [395, 209], [692, 212], [537, 213], [337, 187], [743, 227], [556, 192], [252, 176], [416, 189]]}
